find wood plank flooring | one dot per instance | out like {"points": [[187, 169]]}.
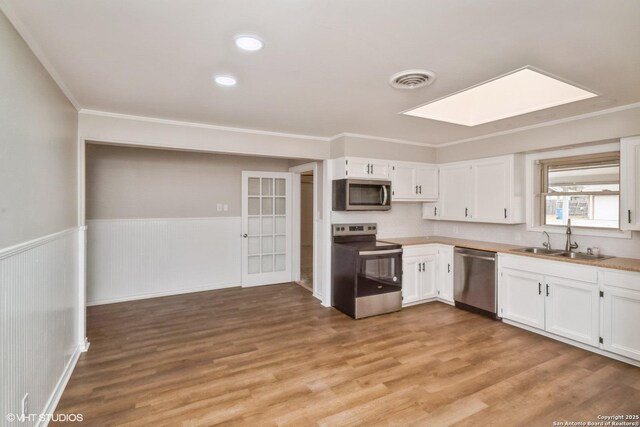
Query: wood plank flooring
{"points": [[274, 356]]}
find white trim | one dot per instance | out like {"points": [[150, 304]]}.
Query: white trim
{"points": [[327, 185], [531, 206], [163, 294], [37, 51], [541, 125], [573, 343], [384, 139], [54, 398], [317, 282], [107, 221], [22, 247], [81, 334], [200, 125]]}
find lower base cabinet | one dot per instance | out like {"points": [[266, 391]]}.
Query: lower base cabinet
{"points": [[621, 313], [427, 273], [418, 278], [598, 307]]}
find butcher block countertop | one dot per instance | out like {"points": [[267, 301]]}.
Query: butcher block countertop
{"points": [[627, 264]]}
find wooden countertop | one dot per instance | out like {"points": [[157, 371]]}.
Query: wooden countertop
{"points": [[627, 264]]}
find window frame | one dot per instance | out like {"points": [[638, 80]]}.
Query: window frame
{"points": [[604, 158]]}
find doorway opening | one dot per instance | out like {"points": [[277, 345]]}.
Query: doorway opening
{"points": [[306, 230]]}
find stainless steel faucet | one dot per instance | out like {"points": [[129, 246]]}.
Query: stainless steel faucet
{"points": [[547, 244], [569, 246]]}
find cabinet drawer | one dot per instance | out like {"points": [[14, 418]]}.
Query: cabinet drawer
{"points": [[549, 267], [622, 279], [419, 250]]}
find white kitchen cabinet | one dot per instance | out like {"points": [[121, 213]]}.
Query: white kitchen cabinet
{"points": [[444, 283], [521, 297], [362, 168], [572, 309], [419, 274], [621, 313], [414, 182], [455, 192], [486, 190], [410, 279], [630, 183]]}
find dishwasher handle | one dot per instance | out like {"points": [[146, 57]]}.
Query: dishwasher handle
{"points": [[486, 258]]}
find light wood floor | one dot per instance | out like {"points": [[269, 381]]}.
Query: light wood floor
{"points": [[274, 356]]}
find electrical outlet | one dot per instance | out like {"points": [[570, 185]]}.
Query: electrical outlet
{"points": [[219, 207], [25, 405], [226, 207], [455, 229]]}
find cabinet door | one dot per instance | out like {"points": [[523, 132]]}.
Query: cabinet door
{"points": [[431, 210], [572, 310], [411, 279], [378, 169], [427, 182], [455, 187], [621, 311], [428, 277], [522, 297], [491, 181], [358, 168], [630, 183], [444, 285], [404, 185]]}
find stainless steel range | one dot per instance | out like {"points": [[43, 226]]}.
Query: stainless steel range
{"points": [[366, 273]]}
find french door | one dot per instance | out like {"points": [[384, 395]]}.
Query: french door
{"points": [[266, 228]]}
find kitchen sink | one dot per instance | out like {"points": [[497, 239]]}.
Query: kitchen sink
{"points": [[561, 253], [580, 255], [539, 251]]}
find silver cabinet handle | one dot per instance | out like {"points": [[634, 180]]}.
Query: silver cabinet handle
{"points": [[505, 213], [416, 189], [539, 288], [466, 212], [435, 211], [629, 214], [448, 268], [420, 188], [547, 289], [368, 168], [419, 267], [371, 168]]}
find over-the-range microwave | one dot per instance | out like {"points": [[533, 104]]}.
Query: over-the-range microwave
{"points": [[361, 195]]}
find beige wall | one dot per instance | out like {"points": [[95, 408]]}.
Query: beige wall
{"points": [[600, 127], [38, 167], [126, 182], [355, 146]]}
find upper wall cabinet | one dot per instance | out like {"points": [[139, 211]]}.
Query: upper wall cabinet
{"points": [[630, 183], [414, 182], [486, 190], [358, 167]]}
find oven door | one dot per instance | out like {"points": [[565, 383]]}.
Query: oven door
{"points": [[368, 195], [379, 272]]}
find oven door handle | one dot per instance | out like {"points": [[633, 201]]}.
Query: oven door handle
{"points": [[384, 252]]}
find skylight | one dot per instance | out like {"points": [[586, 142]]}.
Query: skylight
{"points": [[519, 92]]}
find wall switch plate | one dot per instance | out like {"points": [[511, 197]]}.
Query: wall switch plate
{"points": [[219, 207], [226, 207], [25, 405], [456, 230]]}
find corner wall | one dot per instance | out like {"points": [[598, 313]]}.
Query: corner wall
{"points": [[40, 241]]}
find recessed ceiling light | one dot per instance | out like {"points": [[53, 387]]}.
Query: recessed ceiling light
{"points": [[522, 91], [249, 43], [225, 80]]}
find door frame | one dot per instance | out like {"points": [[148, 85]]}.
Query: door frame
{"points": [[296, 220]]}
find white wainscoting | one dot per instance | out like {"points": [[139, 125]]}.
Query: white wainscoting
{"points": [[39, 345], [145, 258]]}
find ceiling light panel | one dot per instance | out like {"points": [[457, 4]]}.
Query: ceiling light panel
{"points": [[520, 92], [225, 80], [249, 43]]}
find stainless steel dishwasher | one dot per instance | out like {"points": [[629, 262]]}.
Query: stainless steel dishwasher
{"points": [[475, 281]]}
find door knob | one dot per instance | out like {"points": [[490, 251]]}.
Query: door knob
{"points": [[244, 235]]}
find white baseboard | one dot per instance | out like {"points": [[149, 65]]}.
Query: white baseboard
{"points": [[163, 294], [573, 343], [54, 399]]}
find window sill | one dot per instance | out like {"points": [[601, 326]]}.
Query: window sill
{"points": [[576, 231]]}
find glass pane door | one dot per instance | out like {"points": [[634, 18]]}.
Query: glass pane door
{"points": [[266, 228]]}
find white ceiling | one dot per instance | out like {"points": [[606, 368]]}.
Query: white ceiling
{"points": [[326, 64]]}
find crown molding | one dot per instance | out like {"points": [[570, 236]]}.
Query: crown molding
{"points": [[199, 125], [37, 51], [383, 139]]}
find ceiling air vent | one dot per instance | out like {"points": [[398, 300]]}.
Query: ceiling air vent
{"points": [[412, 79]]}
